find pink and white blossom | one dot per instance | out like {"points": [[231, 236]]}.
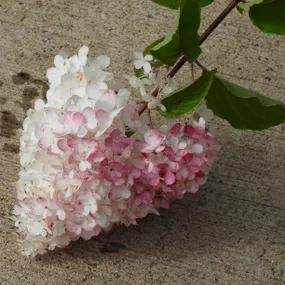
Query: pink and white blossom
{"points": [[83, 173]]}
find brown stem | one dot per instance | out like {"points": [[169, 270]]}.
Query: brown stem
{"points": [[149, 118], [192, 72], [154, 93], [198, 63], [182, 60]]}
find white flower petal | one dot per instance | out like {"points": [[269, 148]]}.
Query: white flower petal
{"points": [[58, 228], [59, 61], [39, 104], [122, 97], [138, 55], [103, 61], [84, 165], [61, 214], [147, 67], [96, 91], [83, 51], [36, 228], [197, 148], [138, 64], [148, 57], [75, 64]]}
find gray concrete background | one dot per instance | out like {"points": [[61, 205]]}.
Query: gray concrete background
{"points": [[232, 232]]}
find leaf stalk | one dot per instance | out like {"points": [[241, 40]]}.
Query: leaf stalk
{"points": [[182, 60]]}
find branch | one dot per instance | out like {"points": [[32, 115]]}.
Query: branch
{"points": [[182, 60], [198, 63]]}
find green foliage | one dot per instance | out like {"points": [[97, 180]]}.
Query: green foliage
{"points": [[243, 108], [244, 7], [139, 73], [175, 4], [188, 28], [152, 46], [167, 49], [182, 38], [205, 2], [269, 16], [186, 99]]}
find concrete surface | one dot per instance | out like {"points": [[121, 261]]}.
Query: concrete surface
{"points": [[232, 232]]}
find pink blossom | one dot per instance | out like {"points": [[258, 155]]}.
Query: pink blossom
{"points": [[153, 140], [84, 172]]}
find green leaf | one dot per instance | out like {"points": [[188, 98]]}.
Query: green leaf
{"points": [[244, 7], [244, 108], [139, 73], [188, 29], [269, 16], [182, 38], [173, 4], [186, 99], [205, 2], [167, 49], [149, 48]]}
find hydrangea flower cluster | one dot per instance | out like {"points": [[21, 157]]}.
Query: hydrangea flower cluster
{"points": [[89, 161]]}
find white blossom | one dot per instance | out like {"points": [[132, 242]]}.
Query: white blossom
{"points": [[141, 61]]}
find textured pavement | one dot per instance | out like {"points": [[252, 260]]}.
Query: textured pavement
{"points": [[231, 232]]}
